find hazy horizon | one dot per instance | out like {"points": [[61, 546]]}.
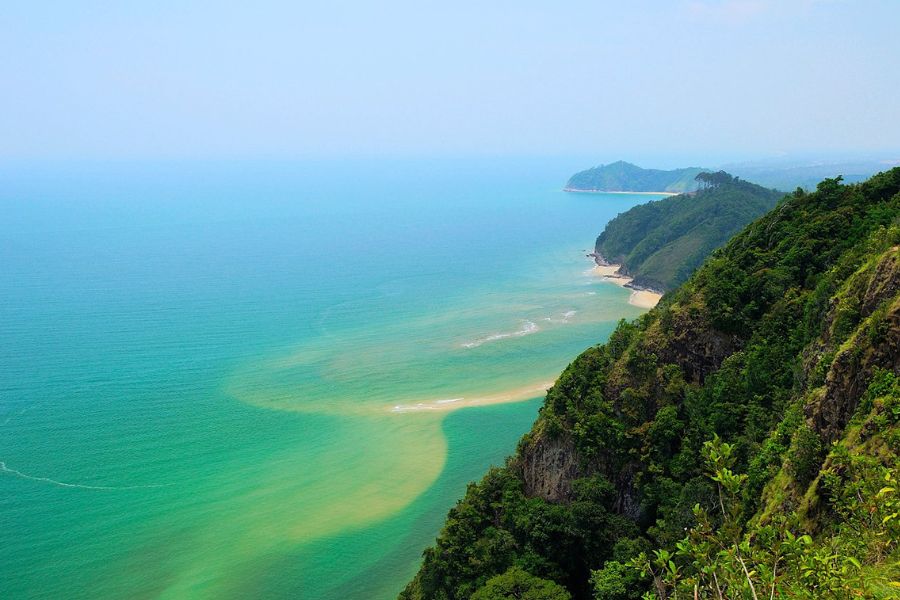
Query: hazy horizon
{"points": [[689, 82]]}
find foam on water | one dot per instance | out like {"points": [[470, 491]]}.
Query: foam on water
{"points": [[6, 469], [565, 318], [528, 327]]}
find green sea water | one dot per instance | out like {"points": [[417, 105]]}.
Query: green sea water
{"points": [[234, 380]]}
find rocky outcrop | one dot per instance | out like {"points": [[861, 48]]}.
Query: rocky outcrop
{"points": [[874, 345], [851, 371], [695, 346], [549, 466], [885, 282]]}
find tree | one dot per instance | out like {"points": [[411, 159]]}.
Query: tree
{"points": [[712, 180], [518, 584]]}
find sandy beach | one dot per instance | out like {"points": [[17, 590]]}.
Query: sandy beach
{"points": [[639, 298]]}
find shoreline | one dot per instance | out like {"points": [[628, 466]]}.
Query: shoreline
{"points": [[580, 191], [640, 296]]}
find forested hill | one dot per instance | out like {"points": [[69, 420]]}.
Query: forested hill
{"points": [[740, 440], [662, 242], [625, 177]]}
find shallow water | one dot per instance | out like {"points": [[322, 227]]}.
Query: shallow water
{"points": [[272, 380]]}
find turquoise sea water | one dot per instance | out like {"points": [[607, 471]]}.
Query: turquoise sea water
{"points": [[238, 380]]}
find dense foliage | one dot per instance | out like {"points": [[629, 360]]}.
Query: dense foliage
{"points": [[662, 242], [741, 440], [518, 584], [625, 177]]}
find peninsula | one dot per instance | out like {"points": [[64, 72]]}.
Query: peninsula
{"points": [[660, 243], [622, 177]]}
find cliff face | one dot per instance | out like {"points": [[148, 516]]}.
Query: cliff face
{"points": [[548, 466], [850, 375], [874, 345], [786, 340]]}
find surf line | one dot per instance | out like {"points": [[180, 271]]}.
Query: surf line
{"points": [[11, 471]]}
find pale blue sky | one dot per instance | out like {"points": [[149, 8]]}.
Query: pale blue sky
{"points": [[162, 79]]}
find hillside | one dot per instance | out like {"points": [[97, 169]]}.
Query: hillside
{"points": [[741, 440], [661, 243], [625, 177]]}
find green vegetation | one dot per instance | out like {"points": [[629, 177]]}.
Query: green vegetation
{"points": [[741, 440], [662, 242], [517, 584], [625, 177]]}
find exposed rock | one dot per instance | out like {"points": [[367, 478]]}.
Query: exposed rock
{"points": [[852, 368], [549, 466], [850, 373], [696, 347], [885, 282]]}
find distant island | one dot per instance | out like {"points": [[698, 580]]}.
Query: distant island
{"points": [[660, 243], [622, 176]]}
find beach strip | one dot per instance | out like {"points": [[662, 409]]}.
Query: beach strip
{"points": [[639, 297]]}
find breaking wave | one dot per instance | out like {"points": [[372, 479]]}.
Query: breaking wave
{"points": [[528, 327]]}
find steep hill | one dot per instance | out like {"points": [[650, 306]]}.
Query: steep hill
{"points": [[661, 243], [741, 440], [625, 177]]}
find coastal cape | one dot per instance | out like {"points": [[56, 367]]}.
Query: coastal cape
{"points": [[741, 436]]}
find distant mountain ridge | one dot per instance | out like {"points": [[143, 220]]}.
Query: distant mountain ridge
{"points": [[661, 243], [791, 175], [784, 174], [622, 176]]}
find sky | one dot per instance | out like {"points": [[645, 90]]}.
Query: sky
{"points": [[291, 79]]}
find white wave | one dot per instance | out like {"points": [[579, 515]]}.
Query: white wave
{"points": [[409, 407], [528, 327], [4, 468], [448, 400], [565, 318]]}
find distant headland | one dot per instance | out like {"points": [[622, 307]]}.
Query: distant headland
{"points": [[624, 177]]}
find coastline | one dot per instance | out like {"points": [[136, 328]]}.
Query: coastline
{"points": [[640, 296], [580, 191]]}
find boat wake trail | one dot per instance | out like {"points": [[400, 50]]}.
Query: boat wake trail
{"points": [[4, 468]]}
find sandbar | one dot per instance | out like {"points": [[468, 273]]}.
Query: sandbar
{"points": [[527, 392]]}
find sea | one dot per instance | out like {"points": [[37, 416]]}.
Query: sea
{"points": [[272, 379]]}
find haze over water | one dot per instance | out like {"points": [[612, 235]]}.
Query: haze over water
{"points": [[224, 380]]}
